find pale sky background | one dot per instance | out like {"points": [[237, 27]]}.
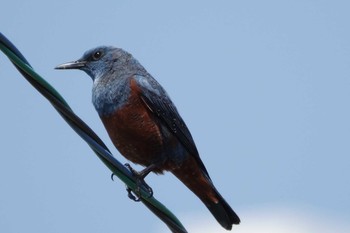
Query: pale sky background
{"points": [[262, 85]]}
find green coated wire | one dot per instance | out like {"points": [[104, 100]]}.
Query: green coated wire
{"points": [[87, 134]]}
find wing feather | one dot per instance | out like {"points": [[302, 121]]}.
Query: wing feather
{"points": [[157, 100]]}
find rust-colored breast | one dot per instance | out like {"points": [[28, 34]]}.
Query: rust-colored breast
{"points": [[134, 130]]}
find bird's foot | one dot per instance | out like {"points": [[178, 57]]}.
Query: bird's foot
{"points": [[135, 197], [140, 181]]}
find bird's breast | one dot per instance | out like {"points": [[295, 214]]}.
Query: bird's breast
{"points": [[134, 130]]}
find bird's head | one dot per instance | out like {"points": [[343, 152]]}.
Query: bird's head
{"points": [[99, 61]]}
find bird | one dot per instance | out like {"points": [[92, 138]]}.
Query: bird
{"points": [[145, 126]]}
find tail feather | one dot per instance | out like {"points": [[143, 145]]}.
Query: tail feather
{"points": [[201, 185], [222, 212]]}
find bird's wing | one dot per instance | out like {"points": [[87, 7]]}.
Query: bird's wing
{"points": [[157, 100]]}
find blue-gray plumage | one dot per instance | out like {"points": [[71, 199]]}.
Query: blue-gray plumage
{"points": [[145, 125]]}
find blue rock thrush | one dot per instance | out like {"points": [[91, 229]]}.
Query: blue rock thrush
{"points": [[145, 125]]}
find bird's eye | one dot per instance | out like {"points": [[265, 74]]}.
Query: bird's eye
{"points": [[97, 55]]}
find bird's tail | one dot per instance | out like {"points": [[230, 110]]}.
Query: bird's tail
{"points": [[201, 185], [222, 212]]}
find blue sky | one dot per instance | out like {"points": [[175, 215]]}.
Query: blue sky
{"points": [[262, 85]]}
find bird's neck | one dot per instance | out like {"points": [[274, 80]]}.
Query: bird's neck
{"points": [[109, 94]]}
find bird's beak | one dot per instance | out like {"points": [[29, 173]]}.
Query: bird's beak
{"points": [[71, 65]]}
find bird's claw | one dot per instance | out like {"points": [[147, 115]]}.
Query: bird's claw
{"points": [[139, 182], [133, 197], [132, 170]]}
